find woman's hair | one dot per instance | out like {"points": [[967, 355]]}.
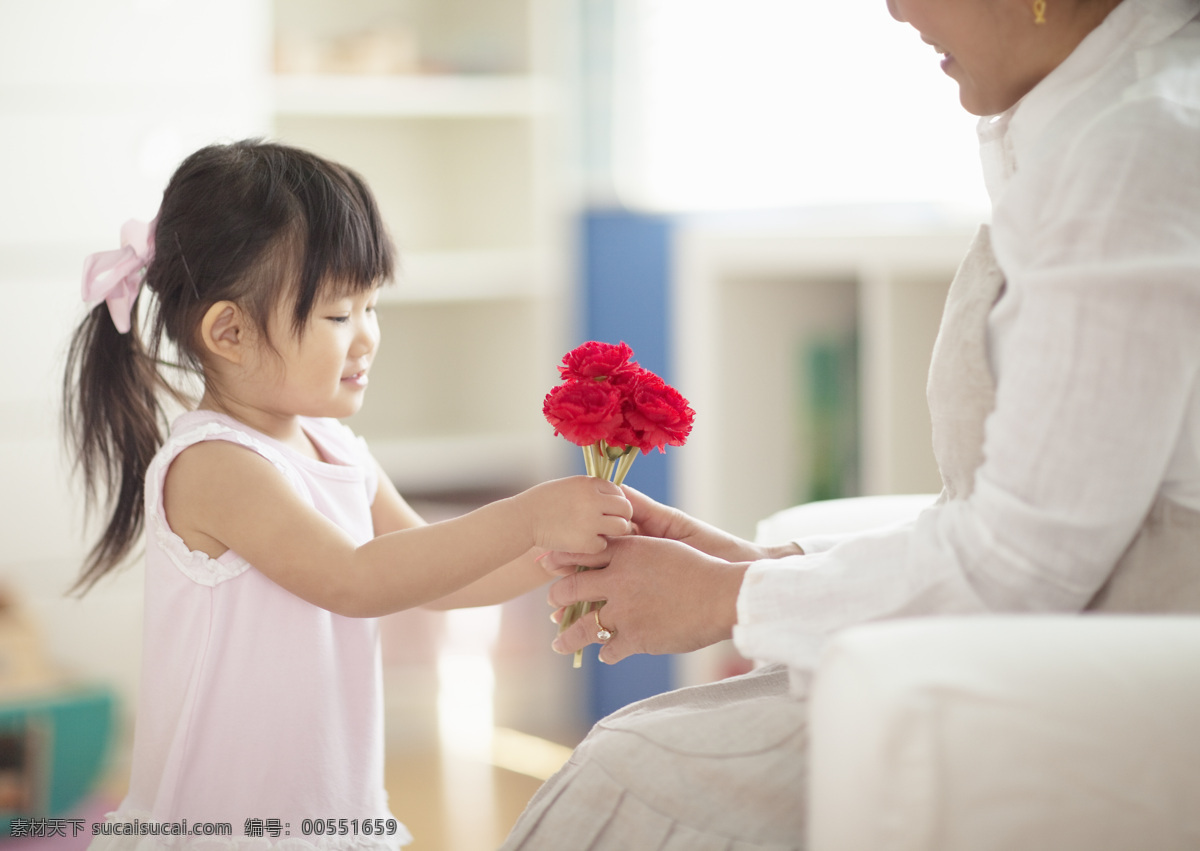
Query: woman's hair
{"points": [[250, 222]]}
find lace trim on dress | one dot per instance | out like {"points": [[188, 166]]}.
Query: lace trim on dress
{"points": [[237, 842], [198, 566]]}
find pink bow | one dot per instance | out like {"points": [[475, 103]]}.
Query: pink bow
{"points": [[116, 276]]}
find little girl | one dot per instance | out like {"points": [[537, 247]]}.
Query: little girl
{"points": [[273, 539]]}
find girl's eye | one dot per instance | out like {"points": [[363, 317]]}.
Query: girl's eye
{"points": [[338, 319]]}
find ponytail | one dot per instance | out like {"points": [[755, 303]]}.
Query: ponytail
{"points": [[114, 421]]}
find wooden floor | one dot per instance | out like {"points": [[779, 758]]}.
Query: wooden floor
{"points": [[453, 677], [448, 802], [476, 725], [452, 804]]}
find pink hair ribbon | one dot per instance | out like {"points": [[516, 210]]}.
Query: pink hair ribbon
{"points": [[116, 276]]}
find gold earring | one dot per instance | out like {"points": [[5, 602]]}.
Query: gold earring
{"points": [[1039, 11]]}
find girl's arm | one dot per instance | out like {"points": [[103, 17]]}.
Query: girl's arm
{"points": [[222, 496], [391, 513], [502, 584]]}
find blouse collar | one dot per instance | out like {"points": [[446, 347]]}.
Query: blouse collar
{"points": [[1006, 137]]}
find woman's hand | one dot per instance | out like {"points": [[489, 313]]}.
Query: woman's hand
{"points": [[662, 521], [662, 596], [671, 588]]}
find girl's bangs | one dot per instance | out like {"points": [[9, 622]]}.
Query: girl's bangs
{"points": [[346, 245]]}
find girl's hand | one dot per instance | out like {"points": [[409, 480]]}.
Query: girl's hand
{"points": [[576, 514]]}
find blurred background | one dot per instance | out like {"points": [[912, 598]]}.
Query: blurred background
{"points": [[765, 198]]}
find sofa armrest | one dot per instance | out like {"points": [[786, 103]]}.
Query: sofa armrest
{"points": [[833, 518], [1008, 732]]}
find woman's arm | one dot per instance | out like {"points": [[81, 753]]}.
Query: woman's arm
{"points": [[222, 496], [655, 520]]}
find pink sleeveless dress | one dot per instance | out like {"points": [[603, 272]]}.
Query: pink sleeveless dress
{"points": [[257, 710]]}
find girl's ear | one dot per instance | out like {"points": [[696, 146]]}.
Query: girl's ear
{"points": [[224, 331]]}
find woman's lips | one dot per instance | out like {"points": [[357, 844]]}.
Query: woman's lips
{"points": [[947, 56]]}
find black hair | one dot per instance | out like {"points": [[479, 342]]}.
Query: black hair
{"points": [[252, 222]]}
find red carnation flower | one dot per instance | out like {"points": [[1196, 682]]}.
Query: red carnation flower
{"points": [[657, 414], [625, 383], [597, 361], [583, 411], [611, 407]]}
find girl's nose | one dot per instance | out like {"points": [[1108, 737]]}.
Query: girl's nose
{"points": [[367, 338], [893, 11]]}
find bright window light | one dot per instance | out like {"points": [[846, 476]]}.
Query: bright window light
{"points": [[726, 104]]}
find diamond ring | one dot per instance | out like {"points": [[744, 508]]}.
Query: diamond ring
{"points": [[603, 634]]}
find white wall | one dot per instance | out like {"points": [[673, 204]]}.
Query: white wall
{"points": [[750, 104], [99, 100]]}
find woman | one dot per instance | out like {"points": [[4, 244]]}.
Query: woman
{"points": [[1065, 402]]}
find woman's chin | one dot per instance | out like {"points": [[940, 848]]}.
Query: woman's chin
{"points": [[969, 106], [976, 105], [984, 104]]}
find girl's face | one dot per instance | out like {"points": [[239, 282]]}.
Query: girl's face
{"points": [[324, 372], [992, 48]]}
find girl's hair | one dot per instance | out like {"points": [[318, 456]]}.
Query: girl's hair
{"points": [[250, 222]]}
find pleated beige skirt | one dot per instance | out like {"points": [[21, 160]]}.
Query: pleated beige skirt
{"points": [[718, 767]]}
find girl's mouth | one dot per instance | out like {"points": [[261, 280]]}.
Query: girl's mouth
{"points": [[358, 379]]}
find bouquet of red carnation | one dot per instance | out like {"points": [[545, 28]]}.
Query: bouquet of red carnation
{"points": [[611, 408]]}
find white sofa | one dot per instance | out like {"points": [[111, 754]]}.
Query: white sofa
{"points": [[1066, 733]]}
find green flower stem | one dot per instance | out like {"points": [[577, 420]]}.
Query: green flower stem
{"points": [[626, 461], [592, 461], [584, 609], [605, 462]]}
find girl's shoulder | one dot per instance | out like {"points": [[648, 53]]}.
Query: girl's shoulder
{"points": [[206, 438], [201, 444], [335, 440], [195, 428]]}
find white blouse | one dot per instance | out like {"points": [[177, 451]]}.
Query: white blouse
{"points": [[1094, 178]]}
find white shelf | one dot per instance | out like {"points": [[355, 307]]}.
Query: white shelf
{"points": [[750, 295], [472, 461], [417, 96], [466, 171], [449, 276]]}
